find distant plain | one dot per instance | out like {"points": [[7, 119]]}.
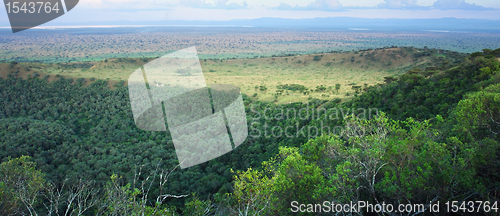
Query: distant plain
{"points": [[95, 44]]}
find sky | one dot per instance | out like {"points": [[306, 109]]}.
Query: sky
{"points": [[222, 10]]}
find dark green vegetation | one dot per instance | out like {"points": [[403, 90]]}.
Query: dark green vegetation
{"points": [[292, 87], [436, 139], [423, 94]]}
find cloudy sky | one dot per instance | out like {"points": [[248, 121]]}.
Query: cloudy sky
{"points": [[156, 10]]}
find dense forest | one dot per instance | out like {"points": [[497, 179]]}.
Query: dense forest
{"points": [[69, 149]]}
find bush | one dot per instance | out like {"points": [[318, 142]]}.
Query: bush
{"points": [[292, 87]]}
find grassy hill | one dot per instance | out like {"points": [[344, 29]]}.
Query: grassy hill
{"points": [[315, 74]]}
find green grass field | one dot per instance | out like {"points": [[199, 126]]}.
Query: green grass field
{"points": [[260, 77]]}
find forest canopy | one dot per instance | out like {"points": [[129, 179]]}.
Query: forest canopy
{"points": [[436, 138]]}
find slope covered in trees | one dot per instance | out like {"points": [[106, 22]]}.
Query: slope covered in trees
{"points": [[438, 141], [423, 94]]}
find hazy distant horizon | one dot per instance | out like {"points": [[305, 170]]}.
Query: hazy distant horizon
{"points": [[230, 10], [341, 23]]}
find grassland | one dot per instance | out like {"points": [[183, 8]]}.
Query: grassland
{"points": [[260, 77]]}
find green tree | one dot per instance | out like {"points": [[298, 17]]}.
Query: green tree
{"points": [[477, 126], [337, 87], [20, 186], [294, 179], [252, 192]]}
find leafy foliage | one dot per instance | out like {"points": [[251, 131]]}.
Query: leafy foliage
{"points": [[20, 186], [438, 141], [424, 95]]}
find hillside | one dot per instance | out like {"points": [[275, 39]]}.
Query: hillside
{"points": [[86, 136], [260, 78]]}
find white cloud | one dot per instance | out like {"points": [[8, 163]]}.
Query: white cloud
{"points": [[322, 5], [360, 3], [335, 5], [128, 4], [255, 7], [218, 4], [400, 4], [457, 5]]}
